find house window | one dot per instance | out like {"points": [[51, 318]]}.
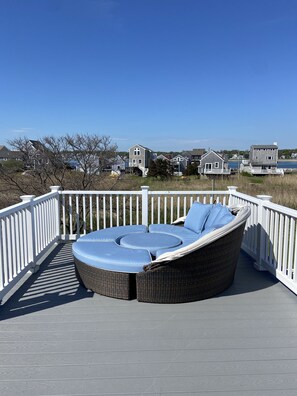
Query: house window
{"points": [[134, 161], [269, 157], [216, 165], [139, 161], [136, 151], [208, 167]]}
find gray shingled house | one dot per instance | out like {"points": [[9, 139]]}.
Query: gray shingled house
{"points": [[212, 163], [140, 157], [262, 160]]}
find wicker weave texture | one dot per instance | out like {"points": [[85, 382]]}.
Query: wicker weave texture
{"points": [[108, 283], [201, 274]]}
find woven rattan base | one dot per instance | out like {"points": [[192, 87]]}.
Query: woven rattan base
{"points": [[202, 274], [108, 283]]}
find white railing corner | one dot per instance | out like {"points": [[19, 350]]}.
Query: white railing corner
{"points": [[261, 233], [31, 231], [144, 207]]}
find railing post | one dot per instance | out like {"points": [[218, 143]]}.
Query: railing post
{"points": [[232, 189], [144, 205], [56, 189], [31, 228], [261, 237]]}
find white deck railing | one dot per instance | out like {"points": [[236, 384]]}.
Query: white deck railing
{"points": [[86, 211], [271, 237], [28, 230]]}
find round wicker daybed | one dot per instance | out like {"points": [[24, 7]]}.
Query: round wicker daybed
{"points": [[199, 267]]}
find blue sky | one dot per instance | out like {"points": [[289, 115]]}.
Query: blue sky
{"points": [[167, 74]]}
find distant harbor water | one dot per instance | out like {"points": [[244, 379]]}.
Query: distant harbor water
{"points": [[280, 164]]}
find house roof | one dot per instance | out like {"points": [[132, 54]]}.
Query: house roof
{"points": [[182, 157], [212, 151], [37, 144], [264, 146], [139, 145], [162, 156], [198, 151]]}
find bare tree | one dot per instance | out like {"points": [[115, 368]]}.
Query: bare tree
{"points": [[48, 162], [92, 155]]}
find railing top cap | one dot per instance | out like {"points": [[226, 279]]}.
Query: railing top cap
{"points": [[27, 198], [265, 197], [55, 188]]}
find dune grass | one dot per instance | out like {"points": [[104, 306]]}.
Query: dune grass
{"points": [[282, 189]]}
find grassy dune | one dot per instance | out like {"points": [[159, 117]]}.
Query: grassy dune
{"points": [[282, 189]]}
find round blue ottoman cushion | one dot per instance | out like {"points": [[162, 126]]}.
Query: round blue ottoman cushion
{"points": [[151, 242]]}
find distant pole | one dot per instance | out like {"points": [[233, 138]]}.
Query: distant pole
{"points": [[213, 182]]}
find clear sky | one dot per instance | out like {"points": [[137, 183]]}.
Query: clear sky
{"points": [[167, 74]]}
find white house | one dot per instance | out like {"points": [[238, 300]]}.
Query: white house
{"points": [[179, 164]]}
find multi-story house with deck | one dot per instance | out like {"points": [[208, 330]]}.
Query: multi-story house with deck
{"points": [[262, 160], [140, 158]]}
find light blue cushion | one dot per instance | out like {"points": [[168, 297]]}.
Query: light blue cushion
{"points": [[207, 231], [112, 234], [197, 216], [180, 232], [150, 241], [110, 256], [223, 220], [186, 242], [214, 212]]}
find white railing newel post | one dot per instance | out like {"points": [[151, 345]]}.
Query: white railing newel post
{"points": [[144, 205], [232, 190], [261, 232], [31, 227], [56, 189]]}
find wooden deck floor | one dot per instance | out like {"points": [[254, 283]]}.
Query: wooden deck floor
{"points": [[58, 339]]}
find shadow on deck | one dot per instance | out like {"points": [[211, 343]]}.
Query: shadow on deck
{"points": [[53, 285]]}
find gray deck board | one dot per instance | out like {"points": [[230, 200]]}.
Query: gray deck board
{"points": [[58, 339]]}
